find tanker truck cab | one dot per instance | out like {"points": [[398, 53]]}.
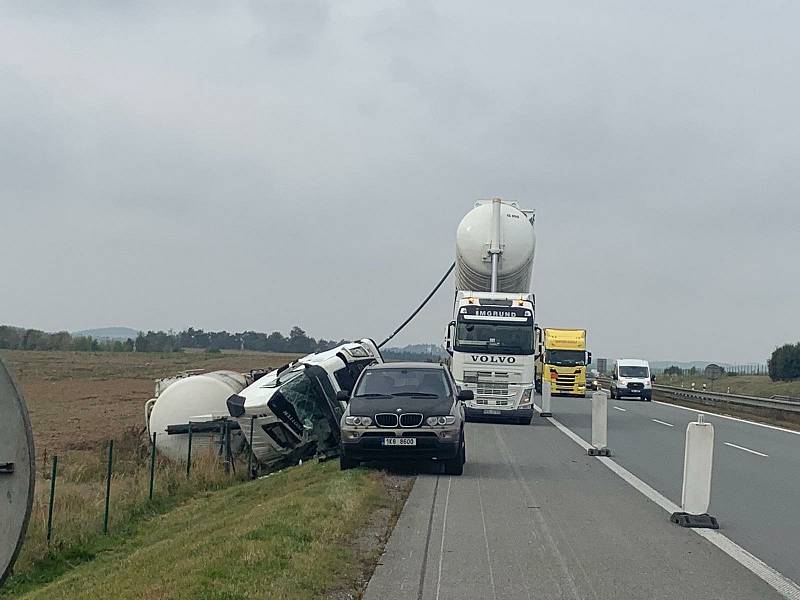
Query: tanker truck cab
{"points": [[491, 342], [293, 412], [631, 377]]}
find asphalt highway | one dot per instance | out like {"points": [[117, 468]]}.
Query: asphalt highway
{"points": [[534, 517], [755, 491]]}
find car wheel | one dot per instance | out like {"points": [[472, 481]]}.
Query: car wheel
{"points": [[346, 463], [455, 466]]}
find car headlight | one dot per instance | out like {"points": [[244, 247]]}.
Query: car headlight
{"points": [[440, 421], [358, 421]]}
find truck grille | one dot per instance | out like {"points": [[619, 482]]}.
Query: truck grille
{"points": [[386, 420], [492, 389]]}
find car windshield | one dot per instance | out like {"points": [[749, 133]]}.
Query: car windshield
{"points": [[566, 358], [494, 338], [640, 372], [414, 382]]}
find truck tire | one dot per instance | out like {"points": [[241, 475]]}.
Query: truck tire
{"points": [[611, 390], [346, 463]]}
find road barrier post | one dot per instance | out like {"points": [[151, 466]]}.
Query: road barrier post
{"points": [[108, 485], [599, 425], [698, 462], [52, 499], [547, 393]]}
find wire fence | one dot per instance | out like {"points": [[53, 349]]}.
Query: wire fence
{"points": [[87, 494]]}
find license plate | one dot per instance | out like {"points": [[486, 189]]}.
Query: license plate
{"points": [[492, 412], [400, 441]]}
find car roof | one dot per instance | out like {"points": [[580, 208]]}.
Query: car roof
{"points": [[632, 362], [406, 365]]}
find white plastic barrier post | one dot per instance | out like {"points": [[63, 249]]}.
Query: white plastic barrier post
{"points": [[546, 399], [698, 461], [599, 425]]}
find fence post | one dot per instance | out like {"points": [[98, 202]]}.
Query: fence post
{"points": [[250, 454], [108, 485], [189, 453], [227, 441], [152, 465], [52, 499]]}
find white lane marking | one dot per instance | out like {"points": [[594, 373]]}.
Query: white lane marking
{"points": [[778, 581], [444, 531], [486, 541], [662, 422], [746, 449], [622, 409], [730, 418]]}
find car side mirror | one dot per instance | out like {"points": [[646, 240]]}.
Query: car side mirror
{"points": [[343, 396], [465, 395]]}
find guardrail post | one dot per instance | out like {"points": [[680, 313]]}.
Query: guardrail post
{"points": [[547, 393], [698, 461], [108, 485], [52, 499], [599, 425]]}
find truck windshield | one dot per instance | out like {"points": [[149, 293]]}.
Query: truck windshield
{"points": [[302, 406], [633, 372], [494, 338], [566, 358]]}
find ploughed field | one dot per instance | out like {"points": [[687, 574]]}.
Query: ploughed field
{"points": [[79, 400]]}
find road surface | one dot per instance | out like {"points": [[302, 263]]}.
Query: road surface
{"points": [[534, 517], [755, 491]]}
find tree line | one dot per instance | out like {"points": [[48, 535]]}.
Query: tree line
{"points": [[298, 342]]}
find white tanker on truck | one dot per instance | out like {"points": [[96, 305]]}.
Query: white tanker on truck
{"points": [[491, 336]]}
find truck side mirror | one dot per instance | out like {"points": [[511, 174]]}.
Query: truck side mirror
{"points": [[588, 358], [465, 395], [343, 396]]}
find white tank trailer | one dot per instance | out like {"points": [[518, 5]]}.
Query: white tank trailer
{"points": [[199, 399], [491, 335], [498, 231]]}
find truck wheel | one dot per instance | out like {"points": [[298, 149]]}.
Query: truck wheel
{"points": [[346, 463], [611, 389]]}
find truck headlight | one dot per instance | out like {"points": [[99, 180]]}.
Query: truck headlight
{"points": [[440, 421], [526, 397], [358, 421]]}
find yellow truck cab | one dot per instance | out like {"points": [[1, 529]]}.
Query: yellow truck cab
{"points": [[562, 359]]}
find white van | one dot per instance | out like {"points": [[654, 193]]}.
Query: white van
{"points": [[631, 377]]}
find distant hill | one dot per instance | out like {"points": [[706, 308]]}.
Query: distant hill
{"points": [[109, 333]]}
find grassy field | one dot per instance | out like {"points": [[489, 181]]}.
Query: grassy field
{"points": [[297, 534], [746, 385], [310, 532], [78, 400]]}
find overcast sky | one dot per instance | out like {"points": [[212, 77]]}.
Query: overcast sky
{"points": [[259, 165]]}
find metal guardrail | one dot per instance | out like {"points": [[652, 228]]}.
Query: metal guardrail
{"points": [[776, 404], [721, 399]]}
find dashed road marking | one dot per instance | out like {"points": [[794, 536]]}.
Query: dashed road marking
{"points": [[622, 409], [777, 580], [746, 449], [662, 422]]}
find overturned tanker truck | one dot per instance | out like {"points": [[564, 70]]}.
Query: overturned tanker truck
{"points": [[281, 416]]}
